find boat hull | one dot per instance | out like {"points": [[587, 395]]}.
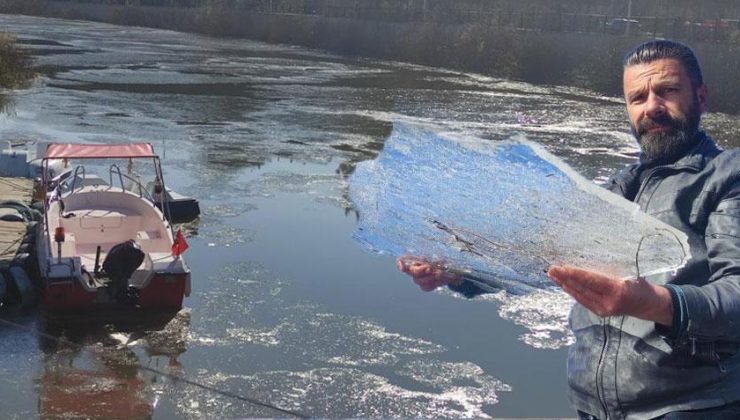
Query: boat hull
{"points": [[181, 211], [165, 292]]}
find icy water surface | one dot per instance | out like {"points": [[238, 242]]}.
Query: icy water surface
{"points": [[286, 309]]}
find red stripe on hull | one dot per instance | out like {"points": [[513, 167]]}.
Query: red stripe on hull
{"points": [[164, 291]]}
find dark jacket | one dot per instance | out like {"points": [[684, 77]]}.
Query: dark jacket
{"points": [[625, 367]]}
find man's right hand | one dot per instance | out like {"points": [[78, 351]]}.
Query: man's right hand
{"points": [[428, 276]]}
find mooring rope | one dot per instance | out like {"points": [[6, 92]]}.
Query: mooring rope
{"points": [[10, 247]]}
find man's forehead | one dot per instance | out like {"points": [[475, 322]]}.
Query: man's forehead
{"points": [[657, 70]]}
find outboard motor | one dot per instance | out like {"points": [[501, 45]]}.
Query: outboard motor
{"points": [[120, 263]]}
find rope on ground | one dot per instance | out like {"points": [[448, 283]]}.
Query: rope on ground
{"points": [[178, 378], [15, 187], [9, 183], [10, 247]]}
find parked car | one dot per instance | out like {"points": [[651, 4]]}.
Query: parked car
{"points": [[618, 26]]}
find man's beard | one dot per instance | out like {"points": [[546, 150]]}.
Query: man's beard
{"points": [[673, 143]]}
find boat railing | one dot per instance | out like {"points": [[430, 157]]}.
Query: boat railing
{"points": [[115, 168], [136, 184], [75, 177]]}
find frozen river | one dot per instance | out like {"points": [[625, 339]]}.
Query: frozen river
{"points": [[286, 308]]}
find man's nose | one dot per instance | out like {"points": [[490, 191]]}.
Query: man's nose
{"points": [[654, 106]]}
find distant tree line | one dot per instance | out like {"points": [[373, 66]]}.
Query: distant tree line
{"points": [[688, 20], [691, 10], [151, 3]]}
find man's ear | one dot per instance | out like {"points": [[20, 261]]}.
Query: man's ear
{"points": [[701, 94]]}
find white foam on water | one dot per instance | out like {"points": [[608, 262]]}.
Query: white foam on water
{"points": [[354, 393]]}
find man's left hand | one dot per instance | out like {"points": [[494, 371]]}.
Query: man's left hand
{"points": [[609, 296]]}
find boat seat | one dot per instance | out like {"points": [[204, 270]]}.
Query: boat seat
{"points": [[101, 230], [97, 219], [144, 235]]}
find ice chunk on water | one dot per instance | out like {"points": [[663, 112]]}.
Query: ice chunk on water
{"points": [[501, 212]]}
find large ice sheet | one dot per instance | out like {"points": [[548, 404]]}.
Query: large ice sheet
{"points": [[501, 212]]}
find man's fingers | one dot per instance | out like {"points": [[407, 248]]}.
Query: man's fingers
{"points": [[556, 272], [428, 287], [583, 279], [413, 266], [584, 296], [428, 283], [427, 275], [598, 304], [602, 295], [419, 269]]}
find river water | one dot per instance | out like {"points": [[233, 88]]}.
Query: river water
{"points": [[286, 308]]}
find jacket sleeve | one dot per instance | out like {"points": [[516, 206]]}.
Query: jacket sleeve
{"points": [[713, 310], [467, 288]]}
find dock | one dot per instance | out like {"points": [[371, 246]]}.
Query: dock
{"points": [[12, 233]]}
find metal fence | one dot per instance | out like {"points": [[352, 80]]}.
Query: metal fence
{"points": [[721, 30]]}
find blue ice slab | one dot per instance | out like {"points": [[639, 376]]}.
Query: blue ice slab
{"points": [[501, 212]]}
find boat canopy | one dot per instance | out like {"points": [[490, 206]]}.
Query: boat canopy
{"points": [[99, 151]]}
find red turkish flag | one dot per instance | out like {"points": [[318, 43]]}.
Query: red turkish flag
{"points": [[180, 244]]}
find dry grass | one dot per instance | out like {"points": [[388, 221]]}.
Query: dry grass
{"points": [[15, 63]]}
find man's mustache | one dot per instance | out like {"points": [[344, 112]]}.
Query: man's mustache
{"points": [[664, 120]]}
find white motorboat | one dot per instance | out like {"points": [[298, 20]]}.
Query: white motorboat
{"points": [[101, 245]]}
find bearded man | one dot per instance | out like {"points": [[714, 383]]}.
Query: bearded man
{"points": [[666, 346]]}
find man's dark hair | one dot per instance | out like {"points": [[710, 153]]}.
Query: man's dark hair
{"points": [[650, 51]]}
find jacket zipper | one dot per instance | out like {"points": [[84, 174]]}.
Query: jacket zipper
{"points": [[601, 365], [600, 370], [644, 184]]}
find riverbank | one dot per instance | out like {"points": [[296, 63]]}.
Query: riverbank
{"points": [[579, 59], [15, 67], [15, 63]]}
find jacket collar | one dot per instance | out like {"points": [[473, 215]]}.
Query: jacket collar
{"points": [[698, 156], [626, 182]]}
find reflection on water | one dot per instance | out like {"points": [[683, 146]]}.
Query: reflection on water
{"points": [[101, 383], [84, 368], [286, 308], [6, 104], [92, 369]]}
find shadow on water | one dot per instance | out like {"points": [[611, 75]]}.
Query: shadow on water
{"points": [[214, 89]]}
